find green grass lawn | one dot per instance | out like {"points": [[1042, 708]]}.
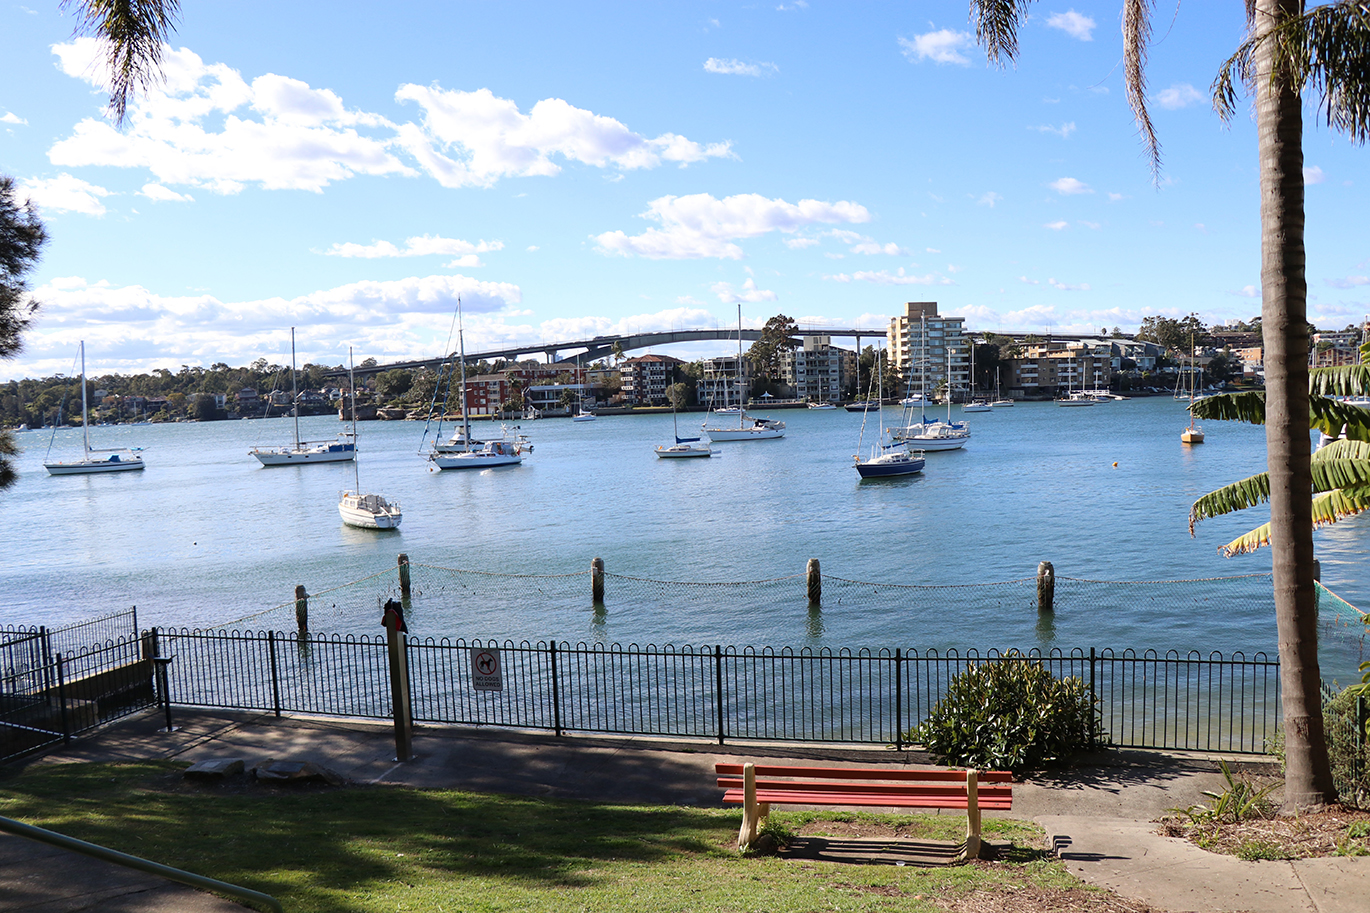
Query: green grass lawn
{"points": [[394, 849]]}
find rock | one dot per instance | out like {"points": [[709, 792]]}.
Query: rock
{"points": [[296, 772], [214, 769]]}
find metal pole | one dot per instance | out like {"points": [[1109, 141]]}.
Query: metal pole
{"points": [[718, 688], [556, 692], [898, 699], [275, 673], [62, 699], [162, 662]]}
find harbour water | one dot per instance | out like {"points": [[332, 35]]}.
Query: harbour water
{"points": [[205, 536]]}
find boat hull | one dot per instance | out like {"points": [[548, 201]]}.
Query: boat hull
{"points": [[977, 407], [333, 453], [890, 465], [683, 452], [1191, 436], [744, 434], [88, 467], [369, 512]]}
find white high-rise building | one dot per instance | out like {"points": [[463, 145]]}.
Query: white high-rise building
{"points": [[815, 369], [929, 349]]}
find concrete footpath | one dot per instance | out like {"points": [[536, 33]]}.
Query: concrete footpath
{"points": [[1096, 816]]}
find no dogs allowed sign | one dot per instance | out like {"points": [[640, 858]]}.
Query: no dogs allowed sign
{"points": [[486, 674]]}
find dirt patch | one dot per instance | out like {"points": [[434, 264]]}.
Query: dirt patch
{"points": [[1030, 899], [1335, 831]]}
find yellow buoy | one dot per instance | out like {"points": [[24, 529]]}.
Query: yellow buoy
{"points": [[1115, 464]]}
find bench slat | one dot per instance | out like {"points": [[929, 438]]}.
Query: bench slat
{"points": [[895, 789], [867, 773], [735, 797]]}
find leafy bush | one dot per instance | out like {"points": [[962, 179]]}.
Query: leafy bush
{"points": [[1010, 714], [1239, 801]]}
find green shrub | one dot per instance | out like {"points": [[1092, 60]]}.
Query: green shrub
{"points": [[1010, 714]]}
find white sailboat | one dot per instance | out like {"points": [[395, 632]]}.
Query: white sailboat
{"points": [[749, 428], [466, 453], [684, 447], [886, 460], [1193, 434], [925, 435], [975, 403], [116, 459], [364, 511], [336, 451], [999, 400], [582, 414]]}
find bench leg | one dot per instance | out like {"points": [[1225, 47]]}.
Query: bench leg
{"points": [[752, 813], [973, 845]]}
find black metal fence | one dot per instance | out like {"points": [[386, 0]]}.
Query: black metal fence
{"points": [[1145, 700], [58, 682]]}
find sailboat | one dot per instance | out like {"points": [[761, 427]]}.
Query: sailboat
{"points": [[1000, 401], [337, 451], [116, 459], [364, 511], [684, 447], [928, 435], [465, 453], [886, 460], [582, 414], [1075, 397], [760, 428], [975, 403], [1193, 434]]}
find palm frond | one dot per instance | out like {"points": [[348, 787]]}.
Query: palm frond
{"points": [[134, 32], [1238, 496], [996, 27], [1341, 464], [1349, 380], [1232, 407], [1247, 543], [1327, 49], [1327, 509], [1136, 38], [1332, 416]]}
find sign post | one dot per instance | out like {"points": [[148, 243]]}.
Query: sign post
{"points": [[487, 673], [395, 633]]}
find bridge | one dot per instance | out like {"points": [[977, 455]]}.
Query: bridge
{"points": [[591, 350]]}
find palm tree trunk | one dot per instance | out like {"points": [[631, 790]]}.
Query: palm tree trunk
{"points": [[1284, 292]]}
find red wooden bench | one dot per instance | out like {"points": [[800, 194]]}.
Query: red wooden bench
{"points": [[756, 788]]}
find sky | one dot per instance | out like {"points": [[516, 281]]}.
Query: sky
{"points": [[571, 170]]}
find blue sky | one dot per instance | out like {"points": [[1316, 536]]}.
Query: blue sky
{"points": [[574, 169]]}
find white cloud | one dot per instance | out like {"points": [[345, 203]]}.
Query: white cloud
{"points": [[885, 277], [942, 46], [700, 226], [159, 194], [419, 246], [1179, 95], [797, 5], [64, 193], [1076, 25], [1349, 282], [1094, 225], [748, 293], [1062, 131], [1082, 287], [732, 67], [933, 250], [1115, 197], [1057, 226], [10, 117], [1247, 291], [532, 248], [1025, 279], [862, 244], [800, 243], [1312, 174], [989, 198], [1069, 186], [206, 126], [472, 139]]}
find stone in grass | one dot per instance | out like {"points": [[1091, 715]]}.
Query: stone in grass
{"points": [[214, 769], [296, 772]]}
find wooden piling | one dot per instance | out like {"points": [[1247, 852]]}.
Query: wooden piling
{"points": [[404, 576], [1046, 587], [815, 581], [597, 580], [302, 610]]}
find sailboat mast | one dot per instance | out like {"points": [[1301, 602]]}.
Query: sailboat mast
{"points": [[461, 354], [85, 421], [295, 393], [740, 406], [352, 388]]}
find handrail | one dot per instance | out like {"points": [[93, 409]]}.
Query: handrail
{"points": [[52, 838]]}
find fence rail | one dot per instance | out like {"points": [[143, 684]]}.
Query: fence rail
{"points": [[1145, 700]]}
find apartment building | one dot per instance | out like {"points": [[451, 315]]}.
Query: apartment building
{"points": [[929, 348], [817, 370], [643, 380]]}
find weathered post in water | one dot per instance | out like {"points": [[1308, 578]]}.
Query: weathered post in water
{"points": [[597, 580], [302, 610], [1046, 588], [815, 579], [404, 576], [395, 631]]}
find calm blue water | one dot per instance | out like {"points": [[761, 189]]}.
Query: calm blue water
{"points": [[205, 535]]}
